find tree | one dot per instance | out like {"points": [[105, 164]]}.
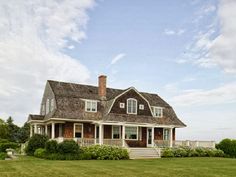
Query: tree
{"points": [[12, 130], [23, 133], [3, 130]]}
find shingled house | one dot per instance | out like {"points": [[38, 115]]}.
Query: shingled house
{"points": [[101, 115]]}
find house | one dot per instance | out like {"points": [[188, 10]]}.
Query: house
{"points": [[101, 115]]}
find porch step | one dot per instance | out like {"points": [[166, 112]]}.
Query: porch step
{"points": [[143, 153]]}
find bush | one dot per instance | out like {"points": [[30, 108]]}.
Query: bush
{"points": [[104, 153], [167, 152], [228, 146], [40, 153], [35, 142], [68, 147], [4, 141], [51, 146], [188, 152], [3, 155], [7, 145]]}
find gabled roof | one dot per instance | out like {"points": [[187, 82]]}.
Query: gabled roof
{"points": [[68, 97]]}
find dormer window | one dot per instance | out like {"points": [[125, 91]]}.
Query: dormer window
{"points": [[90, 106], [158, 112], [131, 106]]}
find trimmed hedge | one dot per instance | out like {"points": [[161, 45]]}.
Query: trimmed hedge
{"points": [[68, 147], [51, 146], [40, 153], [188, 152], [105, 152], [228, 146], [35, 142], [7, 145]]}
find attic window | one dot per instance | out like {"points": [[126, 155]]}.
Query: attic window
{"points": [[90, 106], [131, 106], [122, 105], [158, 112], [141, 107]]}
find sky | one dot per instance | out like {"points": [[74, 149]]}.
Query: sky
{"points": [[182, 50]]}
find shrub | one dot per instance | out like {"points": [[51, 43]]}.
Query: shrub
{"points": [[3, 155], [228, 146], [104, 153], [68, 147], [167, 152], [4, 141], [7, 145], [40, 153], [35, 142], [51, 146], [180, 152]]}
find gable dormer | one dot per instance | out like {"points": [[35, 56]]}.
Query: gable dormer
{"points": [[131, 102]]}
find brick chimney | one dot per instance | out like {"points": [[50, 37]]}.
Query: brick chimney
{"points": [[102, 86]]}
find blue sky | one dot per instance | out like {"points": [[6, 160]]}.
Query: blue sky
{"points": [[182, 50]]}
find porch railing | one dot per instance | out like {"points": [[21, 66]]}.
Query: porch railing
{"points": [[162, 143], [113, 142], [194, 144]]}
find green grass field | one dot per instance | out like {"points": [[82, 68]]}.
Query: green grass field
{"points": [[28, 166]]}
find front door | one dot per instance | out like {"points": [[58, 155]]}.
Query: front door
{"points": [[149, 137]]}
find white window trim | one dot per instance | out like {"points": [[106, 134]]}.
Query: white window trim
{"points": [[92, 101], [141, 106], [122, 105], [164, 134], [128, 105], [136, 136], [82, 133], [112, 132], [156, 107]]}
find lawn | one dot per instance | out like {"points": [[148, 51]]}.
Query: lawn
{"points": [[29, 166]]}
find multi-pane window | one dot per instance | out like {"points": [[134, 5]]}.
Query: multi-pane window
{"points": [[132, 106], [116, 132], [158, 111], [47, 106], [78, 129], [91, 106], [166, 134], [131, 133]]}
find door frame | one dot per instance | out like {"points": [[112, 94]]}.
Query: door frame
{"points": [[149, 128]]}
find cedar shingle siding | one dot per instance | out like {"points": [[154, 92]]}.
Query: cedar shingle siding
{"points": [[70, 104]]}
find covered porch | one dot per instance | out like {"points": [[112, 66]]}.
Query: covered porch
{"points": [[107, 133]]}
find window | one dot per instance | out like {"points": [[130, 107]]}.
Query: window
{"points": [[90, 106], [47, 106], [52, 104], [116, 132], [131, 133], [157, 111], [122, 105], [166, 134], [141, 107], [78, 130], [132, 106]]}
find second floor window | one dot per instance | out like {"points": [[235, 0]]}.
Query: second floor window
{"points": [[132, 106], [157, 111], [90, 106]]}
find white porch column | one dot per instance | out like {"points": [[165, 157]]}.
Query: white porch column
{"points": [[123, 135], [46, 129], [53, 130], [171, 137], [95, 134], [100, 134], [35, 129], [31, 130], [152, 136]]}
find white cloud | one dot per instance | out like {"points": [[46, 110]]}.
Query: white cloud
{"points": [[32, 36], [221, 95], [170, 32], [117, 58]]}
